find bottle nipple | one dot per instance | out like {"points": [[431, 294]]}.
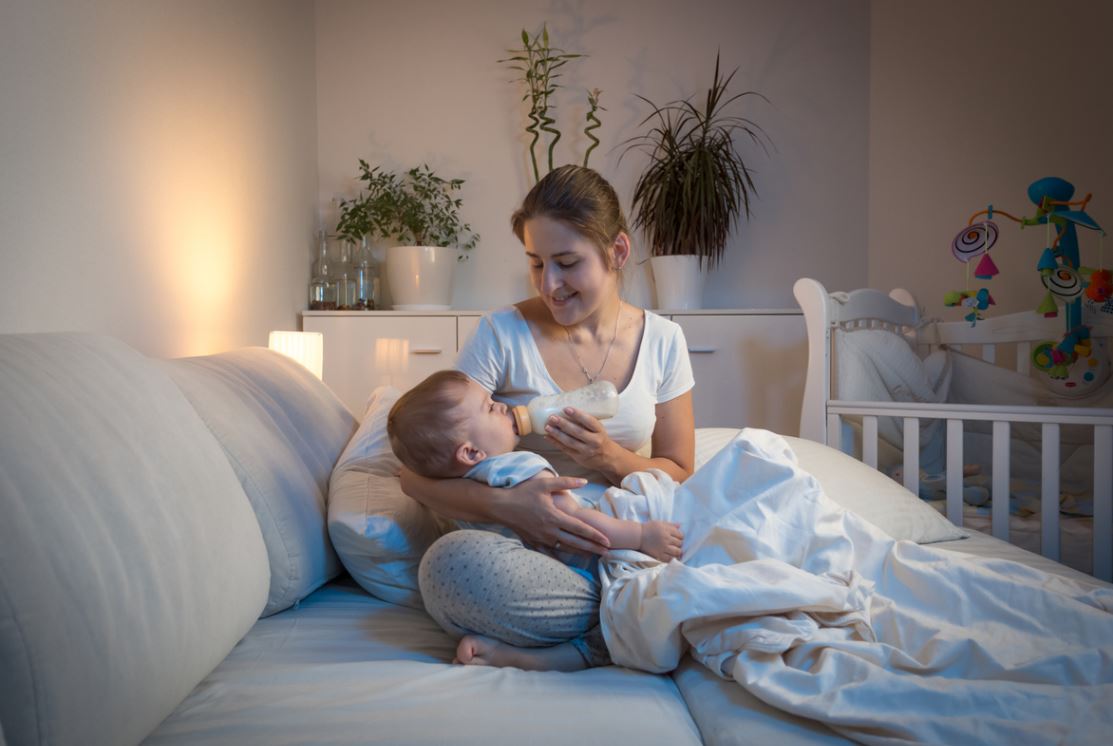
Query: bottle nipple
{"points": [[522, 423]]}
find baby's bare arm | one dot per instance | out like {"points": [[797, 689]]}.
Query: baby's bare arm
{"points": [[659, 539]]}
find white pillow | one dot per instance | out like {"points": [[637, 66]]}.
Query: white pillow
{"points": [[856, 487], [378, 531], [282, 430]]}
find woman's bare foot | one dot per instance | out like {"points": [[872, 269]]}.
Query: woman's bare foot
{"points": [[476, 650]]}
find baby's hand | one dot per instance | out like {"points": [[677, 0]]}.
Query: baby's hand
{"points": [[661, 540]]}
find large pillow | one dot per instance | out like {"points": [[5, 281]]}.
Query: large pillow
{"points": [[282, 430], [130, 560], [379, 532], [855, 486]]}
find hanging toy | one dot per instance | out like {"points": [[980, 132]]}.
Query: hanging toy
{"points": [[1101, 286], [986, 269], [1076, 343], [1047, 261], [1063, 282], [978, 301], [1048, 308], [974, 240], [1059, 265]]}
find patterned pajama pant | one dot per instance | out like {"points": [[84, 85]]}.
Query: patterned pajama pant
{"points": [[479, 582]]}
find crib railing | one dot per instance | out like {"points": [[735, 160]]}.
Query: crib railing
{"points": [[1051, 419]]}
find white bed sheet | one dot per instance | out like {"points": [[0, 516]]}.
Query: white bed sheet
{"points": [[346, 668]]}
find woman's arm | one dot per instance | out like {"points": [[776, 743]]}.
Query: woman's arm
{"points": [[527, 509], [583, 438], [659, 539]]}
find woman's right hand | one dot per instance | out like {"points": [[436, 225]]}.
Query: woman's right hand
{"points": [[529, 511]]}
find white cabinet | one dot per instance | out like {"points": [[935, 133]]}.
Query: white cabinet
{"points": [[749, 365], [364, 350]]}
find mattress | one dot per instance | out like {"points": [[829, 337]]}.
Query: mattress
{"points": [[1076, 533], [345, 668]]}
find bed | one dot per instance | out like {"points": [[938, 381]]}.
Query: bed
{"points": [[979, 441]]}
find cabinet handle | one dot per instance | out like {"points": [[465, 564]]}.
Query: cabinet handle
{"points": [[426, 351], [702, 350]]}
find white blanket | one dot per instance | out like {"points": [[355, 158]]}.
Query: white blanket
{"points": [[816, 612]]}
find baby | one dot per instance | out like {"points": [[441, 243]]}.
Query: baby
{"points": [[448, 426]]}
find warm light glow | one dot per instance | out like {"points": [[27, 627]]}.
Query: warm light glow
{"points": [[308, 348], [392, 358]]}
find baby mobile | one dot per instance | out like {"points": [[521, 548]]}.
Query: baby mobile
{"points": [[1060, 268]]}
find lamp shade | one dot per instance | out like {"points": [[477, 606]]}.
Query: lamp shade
{"points": [[308, 348]]}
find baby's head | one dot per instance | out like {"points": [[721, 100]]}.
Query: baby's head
{"points": [[447, 424]]}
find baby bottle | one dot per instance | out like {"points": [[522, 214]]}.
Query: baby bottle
{"points": [[599, 399]]}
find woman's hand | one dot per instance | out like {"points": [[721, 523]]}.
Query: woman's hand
{"points": [[529, 511], [583, 439]]}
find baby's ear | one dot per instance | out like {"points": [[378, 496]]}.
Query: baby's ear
{"points": [[468, 454]]}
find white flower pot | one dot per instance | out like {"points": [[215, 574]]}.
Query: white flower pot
{"points": [[420, 277], [679, 281]]}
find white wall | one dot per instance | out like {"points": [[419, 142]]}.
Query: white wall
{"points": [[969, 103], [403, 83], [158, 169]]}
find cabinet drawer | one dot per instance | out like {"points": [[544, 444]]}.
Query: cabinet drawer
{"points": [[362, 352], [749, 369]]}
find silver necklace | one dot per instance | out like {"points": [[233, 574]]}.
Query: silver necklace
{"points": [[591, 378]]}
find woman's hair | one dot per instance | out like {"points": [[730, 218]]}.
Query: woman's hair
{"points": [[578, 197], [425, 427]]}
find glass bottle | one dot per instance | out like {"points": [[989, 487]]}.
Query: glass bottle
{"points": [[599, 399], [322, 289], [365, 276], [345, 286]]}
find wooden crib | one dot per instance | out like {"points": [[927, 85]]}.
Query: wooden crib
{"points": [[821, 416]]}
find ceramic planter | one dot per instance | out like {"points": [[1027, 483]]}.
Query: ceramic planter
{"points": [[420, 277], [679, 281]]}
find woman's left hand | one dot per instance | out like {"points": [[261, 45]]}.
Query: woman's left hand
{"points": [[582, 438]]}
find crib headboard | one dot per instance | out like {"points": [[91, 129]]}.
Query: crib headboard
{"points": [[823, 312]]}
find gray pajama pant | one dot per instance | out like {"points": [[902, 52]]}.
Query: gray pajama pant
{"points": [[480, 582]]}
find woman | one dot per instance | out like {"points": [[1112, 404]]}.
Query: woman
{"points": [[480, 585]]}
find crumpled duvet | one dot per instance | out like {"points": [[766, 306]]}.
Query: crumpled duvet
{"points": [[818, 613]]}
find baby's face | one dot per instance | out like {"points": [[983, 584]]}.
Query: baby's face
{"points": [[490, 426]]}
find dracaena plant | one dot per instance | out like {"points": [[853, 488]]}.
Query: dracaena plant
{"points": [[696, 184], [538, 64]]}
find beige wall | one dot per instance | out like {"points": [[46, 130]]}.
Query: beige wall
{"points": [[969, 103], [159, 169], [405, 83], [161, 160]]}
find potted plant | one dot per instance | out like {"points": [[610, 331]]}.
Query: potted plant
{"points": [[419, 211], [694, 188], [538, 64]]}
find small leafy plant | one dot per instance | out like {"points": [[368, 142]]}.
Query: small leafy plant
{"points": [[416, 208], [696, 184], [538, 63]]}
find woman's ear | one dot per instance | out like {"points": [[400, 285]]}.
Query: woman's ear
{"points": [[469, 455], [621, 249]]}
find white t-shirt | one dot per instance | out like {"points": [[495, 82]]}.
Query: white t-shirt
{"points": [[502, 356]]}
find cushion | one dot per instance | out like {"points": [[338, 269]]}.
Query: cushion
{"points": [[856, 487], [282, 430], [879, 365], [379, 532], [130, 559]]}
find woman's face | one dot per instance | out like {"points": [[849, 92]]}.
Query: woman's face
{"points": [[567, 270]]}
